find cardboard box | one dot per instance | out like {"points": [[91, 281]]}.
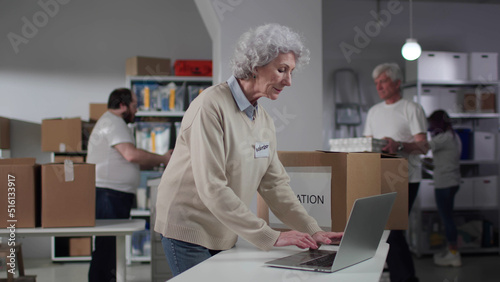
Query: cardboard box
{"points": [[68, 195], [80, 246], [4, 133], [328, 183], [469, 102], [75, 159], [477, 101], [96, 111], [438, 66], [23, 175], [136, 66], [483, 66], [394, 178], [65, 135], [488, 102]]}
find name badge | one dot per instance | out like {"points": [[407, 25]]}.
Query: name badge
{"points": [[261, 149]]}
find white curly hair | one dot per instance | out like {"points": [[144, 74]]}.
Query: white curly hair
{"points": [[258, 47], [392, 70]]}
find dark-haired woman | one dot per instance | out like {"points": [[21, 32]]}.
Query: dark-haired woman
{"points": [[446, 147]]}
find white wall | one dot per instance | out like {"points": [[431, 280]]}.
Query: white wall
{"points": [[297, 112], [75, 51]]}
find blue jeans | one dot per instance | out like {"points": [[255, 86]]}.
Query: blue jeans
{"points": [[181, 256], [445, 200], [110, 204]]}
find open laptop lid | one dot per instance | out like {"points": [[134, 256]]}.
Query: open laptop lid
{"points": [[361, 236], [364, 229]]}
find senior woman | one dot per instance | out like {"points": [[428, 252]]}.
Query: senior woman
{"points": [[226, 151]]}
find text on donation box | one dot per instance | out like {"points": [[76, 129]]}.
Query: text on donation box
{"points": [[312, 186]]}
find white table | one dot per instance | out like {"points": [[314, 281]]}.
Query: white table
{"points": [[245, 263], [104, 227]]}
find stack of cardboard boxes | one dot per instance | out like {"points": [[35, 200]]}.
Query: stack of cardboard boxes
{"points": [[59, 194], [48, 195]]}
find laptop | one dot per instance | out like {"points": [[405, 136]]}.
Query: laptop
{"points": [[360, 241]]}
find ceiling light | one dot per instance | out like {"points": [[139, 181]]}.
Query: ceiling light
{"points": [[411, 49]]}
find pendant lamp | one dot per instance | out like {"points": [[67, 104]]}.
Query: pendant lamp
{"points": [[411, 49]]}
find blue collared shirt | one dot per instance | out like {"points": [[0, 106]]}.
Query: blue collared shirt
{"points": [[240, 98]]}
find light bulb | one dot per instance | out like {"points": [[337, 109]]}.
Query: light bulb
{"points": [[411, 50]]}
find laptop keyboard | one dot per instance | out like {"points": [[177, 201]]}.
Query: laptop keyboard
{"points": [[325, 261]]}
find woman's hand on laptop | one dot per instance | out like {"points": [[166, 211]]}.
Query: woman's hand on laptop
{"points": [[327, 238], [299, 239]]}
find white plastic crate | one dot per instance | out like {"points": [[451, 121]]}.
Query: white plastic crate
{"points": [[449, 100], [435, 98], [485, 192], [438, 66], [463, 199], [484, 146], [483, 66], [426, 194]]}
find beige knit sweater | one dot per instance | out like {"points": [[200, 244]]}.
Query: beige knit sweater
{"points": [[213, 174]]}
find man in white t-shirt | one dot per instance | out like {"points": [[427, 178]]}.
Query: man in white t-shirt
{"points": [[403, 124], [118, 162]]}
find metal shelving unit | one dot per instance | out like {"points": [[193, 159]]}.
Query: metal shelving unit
{"points": [[422, 233], [163, 80], [167, 117]]}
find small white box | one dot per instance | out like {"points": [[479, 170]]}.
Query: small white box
{"points": [[359, 144], [484, 146], [438, 66], [426, 194], [465, 195], [485, 191], [483, 66]]}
